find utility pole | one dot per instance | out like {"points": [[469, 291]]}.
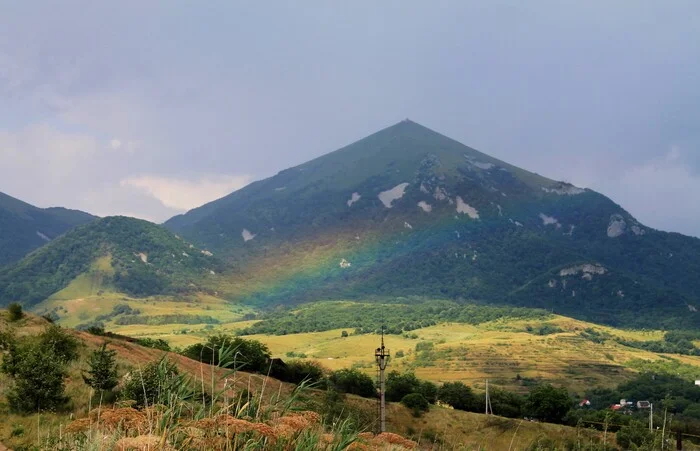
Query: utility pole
{"points": [[651, 417], [489, 409], [381, 355]]}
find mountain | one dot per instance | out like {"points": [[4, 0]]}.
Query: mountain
{"points": [[126, 255], [407, 212], [25, 227]]}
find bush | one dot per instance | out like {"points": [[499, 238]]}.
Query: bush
{"points": [[38, 379], [354, 382], [416, 402], [429, 391], [547, 403], [248, 355], [297, 371], [102, 374], [63, 345], [457, 395], [155, 343], [15, 312], [154, 384], [634, 436], [399, 385]]}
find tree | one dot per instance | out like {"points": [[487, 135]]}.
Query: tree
{"points": [[354, 382], [249, 355], [399, 385], [547, 403], [15, 311], [344, 334], [155, 383], [457, 395], [38, 379], [297, 371], [63, 345], [416, 402], [429, 391], [102, 374]]}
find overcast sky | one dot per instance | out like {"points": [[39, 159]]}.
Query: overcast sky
{"points": [[150, 108]]}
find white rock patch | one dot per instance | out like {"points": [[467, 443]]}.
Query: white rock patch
{"points": [[549, 220], [212, 273], [354, 198], [426, 207], [143, 257], [407, 225], [586, 268], [207, 253], [552, 283], [564, 190], [638, 230], [479, 164], [42, 236], [617, 226], [281, 188], [345, 264], [571, 230], [247, 236], [500, 210], [465, 208], [395, 193]]}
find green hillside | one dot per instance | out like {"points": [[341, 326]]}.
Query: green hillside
{"points": [[127, 255], [409, 212], [25, 227]]}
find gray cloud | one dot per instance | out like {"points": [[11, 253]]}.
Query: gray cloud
{"points": [[596, 93]]}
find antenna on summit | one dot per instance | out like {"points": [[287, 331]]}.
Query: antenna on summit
{"points": [[381, 355]]}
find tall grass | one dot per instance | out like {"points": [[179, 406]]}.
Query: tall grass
{"points": [[209, 412]]}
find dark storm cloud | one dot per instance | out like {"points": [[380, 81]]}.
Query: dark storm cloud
{"points": [[173, 103]]}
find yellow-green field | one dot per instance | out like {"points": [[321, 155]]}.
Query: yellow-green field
{"points": [[502, 351]]}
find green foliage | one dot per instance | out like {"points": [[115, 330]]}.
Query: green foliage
{"points": [[547, 403], [429, 391], [635, 435], [399, 385], [102, 371], [38, 378], [60, 343], [154, 384], [674, 342], [157, 320], [298, 371], [14, 311], [457, 395], [354, 382], [248, 355], [505, 403], [171, 269], [544, 329], [155, 343], [370, 317], [21, 224], [416, 402]]}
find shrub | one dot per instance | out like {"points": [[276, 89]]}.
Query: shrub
{"points": [[547, 403], [416, 402], [248, 355], [429, 391], [344, 334], [102, 374], [63, 345], [297, 371], [399, 385], [458, 396], [154, 384], [354, 382], [634, 436], [155, 343], [39, 377], [15, 312]]}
